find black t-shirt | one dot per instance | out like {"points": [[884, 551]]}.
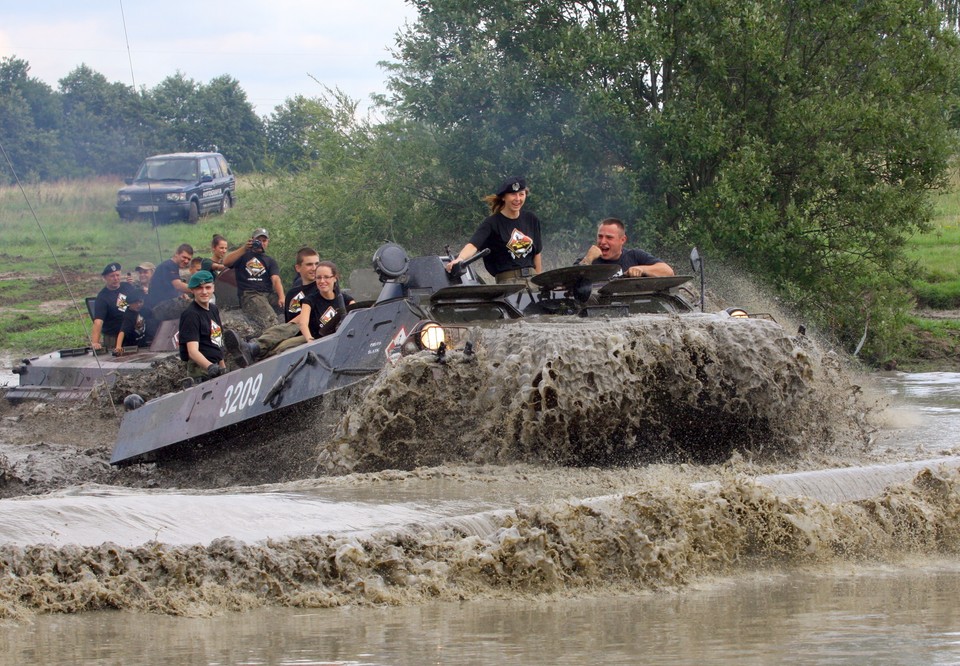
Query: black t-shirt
{"points": [[110, 306], [294, 298], [161, 284], [513, 243], [630, 258], [203, 326], [134, 329], [324, 315], [255, 271]]}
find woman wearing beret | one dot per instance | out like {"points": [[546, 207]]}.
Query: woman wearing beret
{"points": [[511, 233]]}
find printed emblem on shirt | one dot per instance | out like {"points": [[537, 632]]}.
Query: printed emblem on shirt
{"points": [[520, 244], [328, 315], [122, 302], [216, 334], [293, 307], [255, 268]]}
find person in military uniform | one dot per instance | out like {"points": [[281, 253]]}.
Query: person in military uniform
{"points": [[511, 233], [201, 331], [257, 276], [109, 307], [611, 237]]}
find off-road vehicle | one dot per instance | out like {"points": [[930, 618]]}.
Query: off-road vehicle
{"points": [[178, 186]]}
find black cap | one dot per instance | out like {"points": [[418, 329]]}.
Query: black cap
{"points": [[512, 184], [110, 268], [135, 296], [206, 265]]}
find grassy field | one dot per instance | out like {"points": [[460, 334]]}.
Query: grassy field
{"points": [[58, 236], [937, 254]]}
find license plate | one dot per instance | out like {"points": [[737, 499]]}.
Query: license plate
{"points": [[147, 209]]}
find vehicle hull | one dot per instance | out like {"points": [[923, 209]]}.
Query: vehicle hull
{"points": [[365, 341]]}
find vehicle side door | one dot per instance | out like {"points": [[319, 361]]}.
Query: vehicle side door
{"points": [[211, 184]]}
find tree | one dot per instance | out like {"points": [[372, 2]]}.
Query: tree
{"points": [[29, 116], [100, 128], [291, 129], [229, 123], [798, 136], [217, 116]]}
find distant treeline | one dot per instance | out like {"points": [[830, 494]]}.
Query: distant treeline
{"points": [[89, 126]]}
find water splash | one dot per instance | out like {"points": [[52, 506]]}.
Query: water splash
{"points": [[618, 392]]}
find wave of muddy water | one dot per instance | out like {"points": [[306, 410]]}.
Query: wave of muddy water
{"points": [[517, 441]]}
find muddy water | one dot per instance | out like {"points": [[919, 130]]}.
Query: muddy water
{"points": [[499, 569]]}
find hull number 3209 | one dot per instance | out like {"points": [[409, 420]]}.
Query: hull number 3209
{"points": [[241, 395]]}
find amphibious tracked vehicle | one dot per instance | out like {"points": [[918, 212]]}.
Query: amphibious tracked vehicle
{"points": [[420, 307]]}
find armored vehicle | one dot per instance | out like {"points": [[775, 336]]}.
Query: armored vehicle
{"points": [[420, 307]]}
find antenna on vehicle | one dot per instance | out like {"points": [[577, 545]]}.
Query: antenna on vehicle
{"points": [[696, 263]]}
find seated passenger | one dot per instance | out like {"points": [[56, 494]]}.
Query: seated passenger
{"points": [[320, 314], [321, 311], [109, 307], [305, 283], [133, 329], [201, 332], [611, 237]]}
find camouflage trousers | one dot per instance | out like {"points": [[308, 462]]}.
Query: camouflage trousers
{"points": [[256, 305], [279, 338]]}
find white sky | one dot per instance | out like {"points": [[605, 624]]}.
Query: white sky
{"points": [[272, 48]]}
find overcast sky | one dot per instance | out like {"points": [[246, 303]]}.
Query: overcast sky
{"points": [[271, 47]]}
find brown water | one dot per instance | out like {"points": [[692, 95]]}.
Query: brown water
{"points": [[473, 562], [864, 614]]}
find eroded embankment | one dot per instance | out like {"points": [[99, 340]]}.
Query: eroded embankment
{"points": [[610, 392], [666, 535]]}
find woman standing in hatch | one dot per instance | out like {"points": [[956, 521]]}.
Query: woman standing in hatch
{"points": [[511, 233]]}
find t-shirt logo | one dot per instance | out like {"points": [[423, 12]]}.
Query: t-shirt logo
{"points": [[519, 245], [216, 334], [328, 315], [293, 307], [255, 268], [122, 302]]}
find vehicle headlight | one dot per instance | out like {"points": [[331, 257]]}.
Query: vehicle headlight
{"points": [[426, 336], [176, 196], [124, 198], [737, 313], [432, 336]]}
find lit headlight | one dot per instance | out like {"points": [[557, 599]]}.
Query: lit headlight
{"points": [[176, 196], [432, 336], [425, 336], [738, 313]]}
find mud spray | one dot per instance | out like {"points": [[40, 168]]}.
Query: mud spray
{"points": [[618, 392], [553, 400]]}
